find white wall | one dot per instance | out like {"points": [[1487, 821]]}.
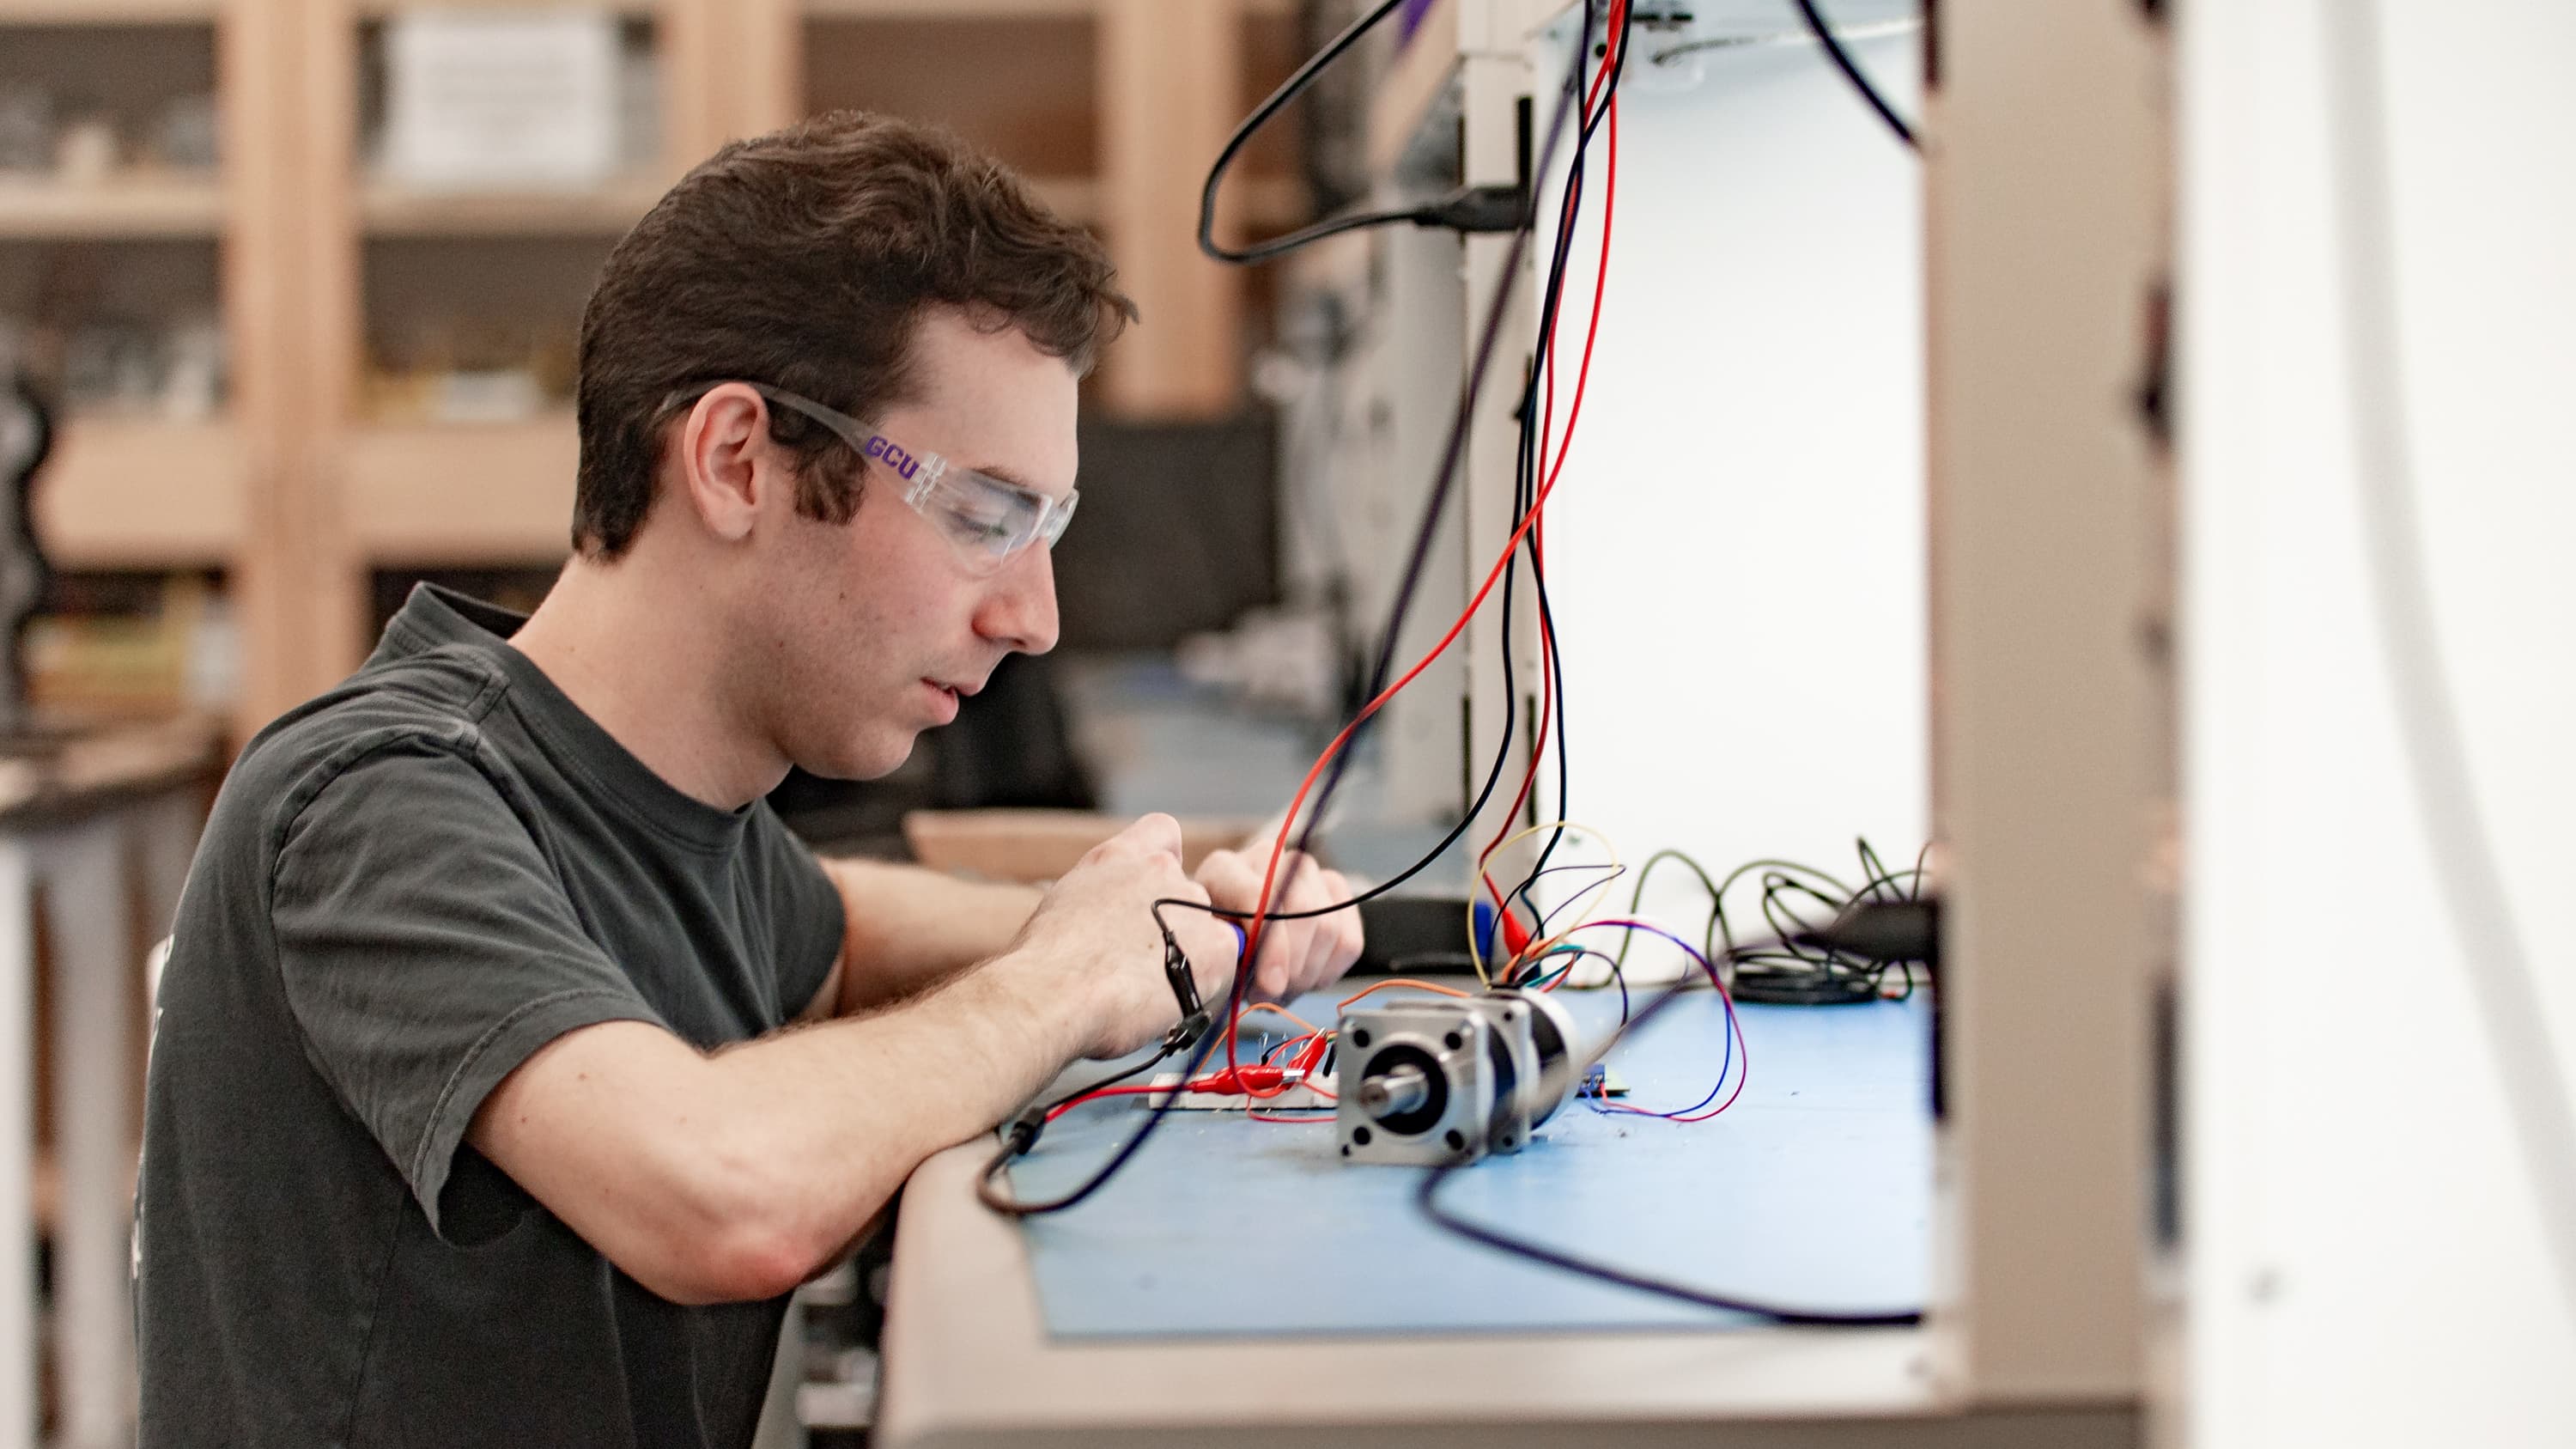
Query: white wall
{"points": [[1736, 550], [2367, 1262]]}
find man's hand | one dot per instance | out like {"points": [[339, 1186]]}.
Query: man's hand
{"points": [[1099, 919], [1293, 957]]}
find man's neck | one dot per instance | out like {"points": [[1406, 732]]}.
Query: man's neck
{"points": [[657, 684]]}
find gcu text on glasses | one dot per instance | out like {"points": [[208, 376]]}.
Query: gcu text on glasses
{"points": [[989, 520]]}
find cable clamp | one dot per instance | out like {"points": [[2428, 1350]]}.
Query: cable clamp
{"points": [[1503, 206], [1185, 990], [1023, 1132]]}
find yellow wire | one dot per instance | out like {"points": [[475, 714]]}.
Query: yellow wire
{"points": [[1475, 950], [1535, 949]]}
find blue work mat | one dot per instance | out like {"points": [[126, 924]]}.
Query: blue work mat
{"points": [[1813, 1191]]}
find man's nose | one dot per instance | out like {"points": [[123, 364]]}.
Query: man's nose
{"points": [[1019, 612]]}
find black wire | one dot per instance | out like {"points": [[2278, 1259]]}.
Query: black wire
{"points": [[1532, 972], [1843, 62], [1019, 1137], [1438, 505], [1022, 1134], [1427, 1195], [1717, 909], [1544, 919], [1708, 933], [1442, 484], [1289, 90], [1128, 1074], [1527, 464], [1522, 496], [1280, 246], [1876, 869], [1789, 965]]}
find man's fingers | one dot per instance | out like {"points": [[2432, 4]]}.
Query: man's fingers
{"points": [[1315, 969], [1278, 971], [1209, 945], [1281, 956], [1346, 927], [1265, 835], [1148, 835], [1231, 879], [1343, 927], [1295, 956]]}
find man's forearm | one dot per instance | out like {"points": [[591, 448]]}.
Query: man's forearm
{"points": [[910, 928], [872, 1098], [737, 1176]]}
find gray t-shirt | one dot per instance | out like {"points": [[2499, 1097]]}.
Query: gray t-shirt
{"points": [[408, 886]]}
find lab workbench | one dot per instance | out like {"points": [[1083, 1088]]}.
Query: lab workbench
{"points": [[1239, 1276]]}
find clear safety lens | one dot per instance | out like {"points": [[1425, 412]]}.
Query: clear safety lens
{"points": [[993, 520], [989, 520]]}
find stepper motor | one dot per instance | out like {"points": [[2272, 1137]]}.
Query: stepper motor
{"points": [[1423, 1082]]}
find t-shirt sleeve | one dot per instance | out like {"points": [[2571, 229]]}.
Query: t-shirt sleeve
{"points": [[805, 906], [427, 948]]}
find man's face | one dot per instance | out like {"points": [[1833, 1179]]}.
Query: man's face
{"points": [[881, 623]]}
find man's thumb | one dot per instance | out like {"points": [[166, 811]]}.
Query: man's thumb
{"points": [[1150, 833]]}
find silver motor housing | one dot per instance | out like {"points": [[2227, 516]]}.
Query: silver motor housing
{"points": [[1428, 1081]]}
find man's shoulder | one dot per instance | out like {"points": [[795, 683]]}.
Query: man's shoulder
{"points": [[430, 705]]}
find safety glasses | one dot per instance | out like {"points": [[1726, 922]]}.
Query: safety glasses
{"points": [[988, 520]]}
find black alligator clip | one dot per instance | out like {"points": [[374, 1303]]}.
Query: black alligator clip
{"points": [[1185, 990]]}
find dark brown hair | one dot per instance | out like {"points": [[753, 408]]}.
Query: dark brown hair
{"points": [[805, 259]]}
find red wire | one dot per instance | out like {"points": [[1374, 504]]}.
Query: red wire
{"points": [[1230, 1082], [1743, 1070], [1279, 846], [1538, 535]]}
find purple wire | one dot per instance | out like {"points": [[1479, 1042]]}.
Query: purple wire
{"points": [[1733, 1026]]}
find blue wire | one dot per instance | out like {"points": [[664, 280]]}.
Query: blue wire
{"points": [[1732, 1027]]}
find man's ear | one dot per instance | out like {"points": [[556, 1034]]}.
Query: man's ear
{"points": [[726, 460]]}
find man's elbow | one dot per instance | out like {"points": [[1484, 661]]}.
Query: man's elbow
{"points": [[744, 1266], [750, 1242], [734, 1263]]}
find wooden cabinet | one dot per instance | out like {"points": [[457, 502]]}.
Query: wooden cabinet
{"points": [[356, 310], [176, 484]]}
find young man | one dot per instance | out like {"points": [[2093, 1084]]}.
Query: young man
{"points": [[475, 1113]]}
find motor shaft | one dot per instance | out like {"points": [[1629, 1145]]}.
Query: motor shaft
{"points": [[1402, 1090]]}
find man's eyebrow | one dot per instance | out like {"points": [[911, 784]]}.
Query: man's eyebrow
{"points": [[1007, 475]]}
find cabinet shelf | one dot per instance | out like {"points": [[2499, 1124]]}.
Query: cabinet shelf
{"points": [[320, 269], [1263, 201], [992, 9], [379, 9], [137, 493], [393, 209], [1075, 198], [461, 493], [109, 12], [154, 206]]}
